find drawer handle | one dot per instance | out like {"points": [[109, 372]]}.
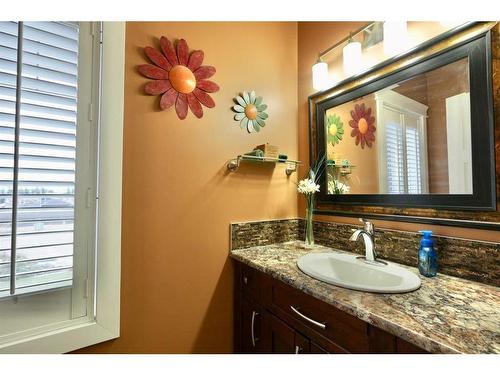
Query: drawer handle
{"points": [[298, 349], [312, 321], [252, 328]]}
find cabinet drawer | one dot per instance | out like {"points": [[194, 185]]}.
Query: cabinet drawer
{"points": [[341, 328], [250, 281]]}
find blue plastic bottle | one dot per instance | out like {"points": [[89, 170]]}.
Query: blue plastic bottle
{"points": [[427, 255]]}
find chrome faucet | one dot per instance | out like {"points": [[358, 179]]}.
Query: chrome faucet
{"points": [[367, 233]]}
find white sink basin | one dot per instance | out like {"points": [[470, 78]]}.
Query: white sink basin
{"points": [[348, 271]]}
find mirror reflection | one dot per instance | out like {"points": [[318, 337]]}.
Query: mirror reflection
{"points": [[413, 137]]}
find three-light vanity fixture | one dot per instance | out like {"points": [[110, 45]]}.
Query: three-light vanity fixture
{"points": [[394, 37]]}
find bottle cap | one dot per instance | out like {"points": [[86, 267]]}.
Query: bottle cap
{"points": [[426, 233]]}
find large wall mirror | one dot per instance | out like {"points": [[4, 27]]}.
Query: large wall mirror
{"points": [[417, 137]]}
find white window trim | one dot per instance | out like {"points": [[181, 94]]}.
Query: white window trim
{"points": [[106, 323], [391, 99]]}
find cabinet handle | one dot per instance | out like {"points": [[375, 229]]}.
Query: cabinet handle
{"points": [[312, 321], [298, 349], [252, 328], [245, 280]]}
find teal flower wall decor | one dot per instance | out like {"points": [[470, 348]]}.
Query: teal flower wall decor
{"points": [[335, 129], [250, 111]]}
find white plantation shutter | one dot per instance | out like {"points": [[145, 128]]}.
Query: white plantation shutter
{"points": [[404, 153], [47, 151]]}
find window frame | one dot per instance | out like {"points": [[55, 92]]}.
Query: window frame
{"points": [[77, 299], [104, 323]]}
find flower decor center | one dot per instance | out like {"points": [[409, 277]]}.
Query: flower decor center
{"points": [[363, 126], [251, 111], [182, 79], [332, 129]]}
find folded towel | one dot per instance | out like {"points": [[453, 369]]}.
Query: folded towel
{"points": [[258, 153]]}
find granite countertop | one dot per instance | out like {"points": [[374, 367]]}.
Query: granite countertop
{"points": [[446, 315]]}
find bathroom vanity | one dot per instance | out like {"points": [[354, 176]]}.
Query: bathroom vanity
{"points": [[273, 317], [279, 309]]}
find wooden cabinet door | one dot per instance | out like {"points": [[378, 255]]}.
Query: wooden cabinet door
{"points": [[316, 349], [251, 327], [279, 337], [302, 344]]}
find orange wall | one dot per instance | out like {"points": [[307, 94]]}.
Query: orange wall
{"points": [[314, 37], [178, 198]]}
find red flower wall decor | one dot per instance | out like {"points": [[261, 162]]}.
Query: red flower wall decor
{"points": [[363, 125], [179, 78]]}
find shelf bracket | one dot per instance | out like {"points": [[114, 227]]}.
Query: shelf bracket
{"points": [[234, 164], [290, 168]]}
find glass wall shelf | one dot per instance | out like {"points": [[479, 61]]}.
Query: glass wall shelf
{"points": [[344, 169], [291, 165]]}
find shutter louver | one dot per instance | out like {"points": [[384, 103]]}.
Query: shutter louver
{"points": [[8, 83], [395, 157], [47, 151], [413, 161]]}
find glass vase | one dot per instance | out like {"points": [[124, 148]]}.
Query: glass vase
{"points": [[309, 221]]}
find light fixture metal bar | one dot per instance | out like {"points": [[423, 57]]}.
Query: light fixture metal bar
{"points": [[351, 35]]}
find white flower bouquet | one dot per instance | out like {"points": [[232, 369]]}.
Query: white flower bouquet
{"points": [[309, 186]]}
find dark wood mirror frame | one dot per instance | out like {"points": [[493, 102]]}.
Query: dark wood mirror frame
{"points": [[480, 43]]}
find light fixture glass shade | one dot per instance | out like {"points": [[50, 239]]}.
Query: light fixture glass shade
{"points": [[320, 75], [352, 58], [395, 37]]}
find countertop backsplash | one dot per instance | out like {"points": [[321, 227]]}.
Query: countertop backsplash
{"points": [[468, 259]]}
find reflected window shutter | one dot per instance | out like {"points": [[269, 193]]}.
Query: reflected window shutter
{"points": [[413, 162], [395, 158], [47, 151], [403, 156]]}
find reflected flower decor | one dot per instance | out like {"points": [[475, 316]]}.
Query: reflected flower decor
{"points": [[250, 111], [179, 78], [362, 125], [337, 187], [335, 129]]}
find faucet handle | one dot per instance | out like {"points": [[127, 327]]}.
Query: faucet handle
{"points": [[368, 225]]}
